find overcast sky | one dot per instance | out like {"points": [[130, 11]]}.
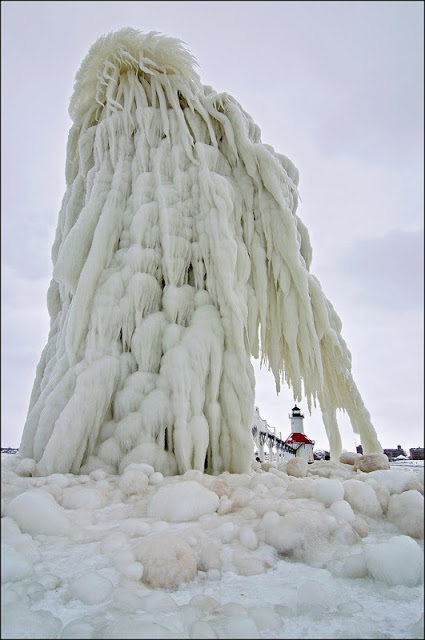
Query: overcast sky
{"points": [[335, 86]]}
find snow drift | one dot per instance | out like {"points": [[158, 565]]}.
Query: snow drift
{"points": [[178, 255]]}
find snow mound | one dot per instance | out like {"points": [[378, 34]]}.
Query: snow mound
{"points": [[182, 502], [406, 511], [91, 588], [408, 570], [167, 560], [37, 512]]}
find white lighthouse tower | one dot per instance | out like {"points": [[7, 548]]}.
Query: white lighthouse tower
{"points": [[298, 442], [296, 420]]}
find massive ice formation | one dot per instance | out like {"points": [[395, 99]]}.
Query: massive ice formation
{"points": [[178, 255]]}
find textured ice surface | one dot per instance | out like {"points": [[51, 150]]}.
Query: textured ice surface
{"points": [[276, 563], [178, 255]]}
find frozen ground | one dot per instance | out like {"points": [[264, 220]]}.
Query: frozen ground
{"points": [[336, 553]]}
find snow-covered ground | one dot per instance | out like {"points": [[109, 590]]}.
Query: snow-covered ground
{"points": [[333, 553]]}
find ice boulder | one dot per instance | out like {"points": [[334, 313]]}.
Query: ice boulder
{"points": [[362, 498], [297, 467], [327, 490], [298, 532], [26, 467], [167, 561], [348, 457], [315, 597], [90, 588], [151, 454], [81, 497], [396, 480], [406, 511], [133, 482], [341, 509], [371, 462], [408, 570], [37, 512], [182, 502]]}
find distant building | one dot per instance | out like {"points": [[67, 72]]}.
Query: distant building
{"points": [[417, 453], [359, 449], [321, 454], [392, 454]]}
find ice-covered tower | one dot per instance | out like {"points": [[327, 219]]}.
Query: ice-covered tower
{"points": [[178, 255], [297, 418]]}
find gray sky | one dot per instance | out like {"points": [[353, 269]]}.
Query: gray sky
{"points": [[335, 86]]}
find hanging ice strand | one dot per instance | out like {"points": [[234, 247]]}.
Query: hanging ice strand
{"points": [[178, 255]]}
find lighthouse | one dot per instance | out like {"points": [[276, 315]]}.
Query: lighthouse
{"points": [[298, 441], [296, 420]]}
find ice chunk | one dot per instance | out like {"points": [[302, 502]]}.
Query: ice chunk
{"points": [[167, 560], [235, 626], [182, 502], [348, 457], [406, 511], [133, 482], [265, 618], [362, 498], [354, 566], [152, 455], [82, 498], [128, 628], [409, 567], [297, 467], [156, 478], [77, 629], [395, 480], [91, 588], [14, 565], [371, 462], [248, 537], [316, 597], [18, 621], [26, 467], [158, 601], [327, 491], [37, 512], [201, 629], [342, 509]]}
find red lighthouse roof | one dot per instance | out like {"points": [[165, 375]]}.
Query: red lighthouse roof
{"points": [[298, 438]]}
